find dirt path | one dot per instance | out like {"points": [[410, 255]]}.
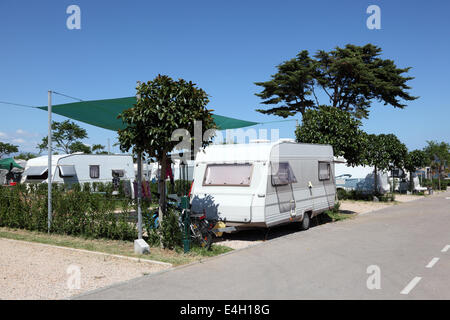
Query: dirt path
{"points": [[33, 271]]}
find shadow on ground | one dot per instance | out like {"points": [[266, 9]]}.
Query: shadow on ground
{"points": [[265, 234]]}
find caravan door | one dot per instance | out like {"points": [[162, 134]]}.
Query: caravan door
{"points": [[282, 177]]}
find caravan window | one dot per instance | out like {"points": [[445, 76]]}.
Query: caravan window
{"points": [[282, 174], [118, 173], [36, 173], [324, 171], [228, 175], [94, 172]]}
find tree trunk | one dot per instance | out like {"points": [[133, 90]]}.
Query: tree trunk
{"points": [[439, 176], [375, 181], [162, 187], [411, 182]]}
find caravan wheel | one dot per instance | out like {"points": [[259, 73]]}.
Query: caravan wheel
{"points": [[304, 224]]}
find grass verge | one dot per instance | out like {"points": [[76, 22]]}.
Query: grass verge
{"points": [[118, 247], [337, 215]]}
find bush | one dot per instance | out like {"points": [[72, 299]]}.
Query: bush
{"points": [[342, 194], [171, 233], [358, 195], [78, 211], [434, 183]]}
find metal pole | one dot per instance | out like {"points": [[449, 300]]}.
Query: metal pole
{"points": [[139, 194], [49, 170], [139, 183]]}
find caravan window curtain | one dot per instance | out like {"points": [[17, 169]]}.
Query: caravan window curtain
{"points": [[282, 174], [228, 175], [324, 171], [94, 172]]}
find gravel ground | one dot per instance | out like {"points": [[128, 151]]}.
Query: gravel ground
{"points": [[33, 271]]}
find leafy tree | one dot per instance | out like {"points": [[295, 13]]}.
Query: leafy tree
{"points": [[438, 155], [383, 152], [7, 148], [415, 159], [26, 156], [329, 125], [292, 85], [65, 134], [98, 149], [79, 146], [351, 78], [164, 106]]}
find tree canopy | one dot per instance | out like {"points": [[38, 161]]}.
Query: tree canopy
{"points": [[329, 125], [68, 137], [351, 78], [384, 151], [164, 107], [7, 148]]}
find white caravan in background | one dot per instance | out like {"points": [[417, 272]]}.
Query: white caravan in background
{"points": [[263, 184], [360, 178], [79, 168]]}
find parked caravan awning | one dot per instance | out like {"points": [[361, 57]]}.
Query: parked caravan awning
{"points": [[67, 171], [9, 163], [35, 171]]}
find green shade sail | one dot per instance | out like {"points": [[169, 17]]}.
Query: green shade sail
{"points": [[103, 113], [6, 164]]}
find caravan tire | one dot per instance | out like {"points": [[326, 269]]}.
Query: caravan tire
{"points": [[304, 224]]}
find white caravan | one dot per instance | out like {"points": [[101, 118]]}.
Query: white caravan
{"points": [[79, 168], [263, 184], [359, 178]]}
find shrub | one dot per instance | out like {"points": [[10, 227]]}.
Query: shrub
{"points": [[171, 233], [342, 194], [78, 211]]}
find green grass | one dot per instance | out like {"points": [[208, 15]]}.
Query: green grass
{"points": [[337, 215], [118, 247]]}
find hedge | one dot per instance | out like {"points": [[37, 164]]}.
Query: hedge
{"points": [[84, 210]]}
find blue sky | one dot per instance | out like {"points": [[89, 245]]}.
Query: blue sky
{"points": [[223, 46]]}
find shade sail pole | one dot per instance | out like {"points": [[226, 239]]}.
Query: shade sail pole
{"points": [[139, 182], [139, 194], [49, 170]]}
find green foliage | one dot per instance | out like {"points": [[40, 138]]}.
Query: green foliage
{"points": [[67, 136], [434, 184], [329, 125], [64, 134], [438, 156], [165, 106], [76, 212], [415, 159], [351, 77], [292, 85], [171, 233], [168, 233], [6, 148], [384, 151], [25, 156], [361, 196]]}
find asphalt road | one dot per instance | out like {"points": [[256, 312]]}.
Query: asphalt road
{"points": [[402, 252]]}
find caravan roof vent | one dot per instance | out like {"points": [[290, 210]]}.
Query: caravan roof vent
{"points": [[259, 141]]}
